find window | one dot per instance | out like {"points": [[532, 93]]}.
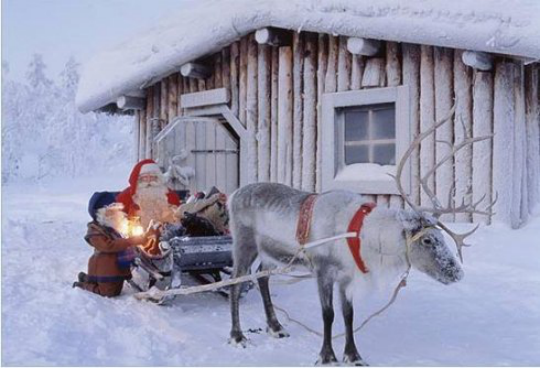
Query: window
{"points": [[364, 134], [370, 134]]}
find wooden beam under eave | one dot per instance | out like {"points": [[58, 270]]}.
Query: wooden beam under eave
{"points": [[131, 103], [273, 37], [363, 46], [195, 70], [478, 60]]}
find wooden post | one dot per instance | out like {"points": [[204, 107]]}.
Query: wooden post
{"points": [[344, 66], [164, 105], [393, 66], [357, 72], [411, 77], [393, 74], [330, 82], [533, 132], [235, 64], [173, 97], [310, 113], [503, 140], [180, 85], [462, 121], [482, 151], [136, 134], [142, 134], [226, 68], [427, 118], [322, 60], [444, 176], [264, 89], [149, 115], [206, 83], [251, 114], [520, 206], [218, 78], [298, 50], [274, 115], [285, 115], [243, 79]]}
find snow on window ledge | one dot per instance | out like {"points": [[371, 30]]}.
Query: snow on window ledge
{"points": [[366, 178]]}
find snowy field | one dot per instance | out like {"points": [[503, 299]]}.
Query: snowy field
{"points": [[490, 318]]}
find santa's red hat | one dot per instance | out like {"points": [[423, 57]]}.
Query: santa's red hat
{"points": [[145, 166], [150, 168]]}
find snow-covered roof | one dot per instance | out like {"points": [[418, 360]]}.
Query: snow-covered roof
{"points": [[203, 26]]}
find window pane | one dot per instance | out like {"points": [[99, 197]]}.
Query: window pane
{"points": [[356, 125], [384, 154], [356, 154], [384, 122]]}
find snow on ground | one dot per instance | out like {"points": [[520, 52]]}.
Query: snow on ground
{"points": [[490, 318]]}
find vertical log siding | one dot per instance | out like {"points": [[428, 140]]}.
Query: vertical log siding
{"points": [[275, 91]]}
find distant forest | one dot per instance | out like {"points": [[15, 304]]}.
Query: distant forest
{"points": [[45, 136]]}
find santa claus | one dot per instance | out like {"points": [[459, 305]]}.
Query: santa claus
{"points": [[147, 196]]}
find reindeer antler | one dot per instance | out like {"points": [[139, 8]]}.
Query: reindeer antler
{"points": [[438, 209]]}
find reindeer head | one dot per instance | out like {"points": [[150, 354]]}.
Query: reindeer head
{"points": [[427, 249]]}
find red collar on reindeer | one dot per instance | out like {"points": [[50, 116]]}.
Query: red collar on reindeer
{"points": [[303, 227], [355, 242]]}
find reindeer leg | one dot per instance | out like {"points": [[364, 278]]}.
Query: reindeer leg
{"points": [[326, 286], [274, 327], [350, 355], [244, 254]]}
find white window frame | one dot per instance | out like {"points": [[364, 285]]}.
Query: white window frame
{"points": [[374, 180]]}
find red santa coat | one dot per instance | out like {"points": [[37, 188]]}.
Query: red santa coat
{"points": [[126, 197]]}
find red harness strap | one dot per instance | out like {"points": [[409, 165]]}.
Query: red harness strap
{"points": [[303, 226], [355, 226]]}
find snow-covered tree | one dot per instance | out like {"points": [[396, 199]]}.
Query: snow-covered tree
{"points": [[35, 73], [45, 136]]}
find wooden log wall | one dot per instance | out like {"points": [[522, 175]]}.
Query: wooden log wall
{"points": [[276, 94]]}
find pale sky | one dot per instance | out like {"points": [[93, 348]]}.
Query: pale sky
{"points": [[60, 28]]}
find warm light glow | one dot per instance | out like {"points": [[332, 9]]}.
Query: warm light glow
{"points": [[124, 228], [137, 230]]}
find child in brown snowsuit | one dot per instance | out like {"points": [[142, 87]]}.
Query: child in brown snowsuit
{"points": [[105, 276]]}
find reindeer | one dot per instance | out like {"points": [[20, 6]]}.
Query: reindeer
{"points": [[263, 219]]}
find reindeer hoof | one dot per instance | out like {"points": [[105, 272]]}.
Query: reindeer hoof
{"points": [[278, 333], [238, 340], [354, 361], [327, 359]]}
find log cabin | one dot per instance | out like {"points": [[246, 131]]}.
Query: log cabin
{"points": [[328, 94]]}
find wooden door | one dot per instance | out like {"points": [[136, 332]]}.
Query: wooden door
{"points": [[205, 145]]}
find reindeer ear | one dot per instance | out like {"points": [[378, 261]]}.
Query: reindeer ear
{"points": [[409, 219]]}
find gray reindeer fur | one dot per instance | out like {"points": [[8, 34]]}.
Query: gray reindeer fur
{"points": [[263, 223]]}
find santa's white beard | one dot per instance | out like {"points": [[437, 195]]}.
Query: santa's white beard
{"points": [[153, 203]]}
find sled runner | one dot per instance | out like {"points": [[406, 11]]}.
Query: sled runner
{"points": [[207, 259]]}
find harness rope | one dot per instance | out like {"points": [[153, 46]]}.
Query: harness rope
{"points": [[402, 283], [155, 293]]}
